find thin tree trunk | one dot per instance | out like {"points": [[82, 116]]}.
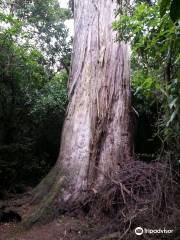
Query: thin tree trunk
{"points": [[96, 136]]}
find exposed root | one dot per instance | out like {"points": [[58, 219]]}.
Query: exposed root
{"points": [[35, 205], [139, 194], [44, 186], [45, 208]]}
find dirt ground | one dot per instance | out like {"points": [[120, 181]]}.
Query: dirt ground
{"points": [[64, 228]]}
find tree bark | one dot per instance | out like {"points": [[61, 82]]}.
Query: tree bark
{"points": [[96, 137]]}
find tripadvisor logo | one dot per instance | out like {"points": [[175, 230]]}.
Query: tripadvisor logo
{"points": [[139, 231]]}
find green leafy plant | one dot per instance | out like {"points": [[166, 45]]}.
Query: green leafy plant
{"points": [[153, 31], [34, 65]]}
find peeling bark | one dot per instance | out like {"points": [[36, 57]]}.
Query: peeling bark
{"points": [[96, 139], [96, 136]]}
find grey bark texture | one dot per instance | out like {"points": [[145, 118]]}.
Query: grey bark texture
{"points": [[96, 136]]}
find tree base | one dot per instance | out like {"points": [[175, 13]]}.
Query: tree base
{"points": [[46, 206]]}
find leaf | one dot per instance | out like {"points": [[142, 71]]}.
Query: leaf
{"points": [[163, 7], [164, 92], [173, 103], [172, 117], [138, 89], [175, 10]]}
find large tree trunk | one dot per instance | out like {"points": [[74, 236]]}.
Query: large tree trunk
{"points": [[96, 136]]}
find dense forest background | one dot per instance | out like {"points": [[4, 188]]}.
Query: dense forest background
{"points": [[34, 67], [152, 28]]}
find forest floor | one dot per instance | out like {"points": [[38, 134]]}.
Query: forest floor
{"points": [[64, 228]]}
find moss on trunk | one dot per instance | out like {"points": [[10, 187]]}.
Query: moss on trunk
{"points": [[46, 207]]}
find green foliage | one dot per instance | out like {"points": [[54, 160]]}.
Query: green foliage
{"points": [[144, 90], [34, 61], [155, 64], [173, 6], [41, 25], [174, 10], [163, 7], [52, 98]]}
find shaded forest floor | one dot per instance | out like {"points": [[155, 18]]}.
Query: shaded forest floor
{"points": [[64, 228], [139, 194]]}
